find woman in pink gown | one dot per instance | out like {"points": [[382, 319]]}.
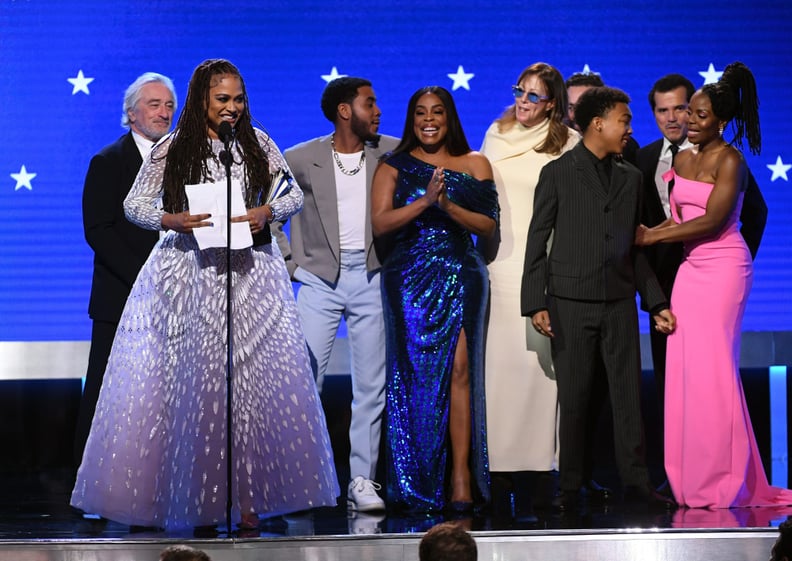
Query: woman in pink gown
{"points": [[711, 455]]}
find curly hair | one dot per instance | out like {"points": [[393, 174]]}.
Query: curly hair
{"points": [[553, 82], [338, 91], [734, 100], [191, 147], [596, 102]]}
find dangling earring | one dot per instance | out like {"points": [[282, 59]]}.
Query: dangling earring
{"points": [[720, 129]]}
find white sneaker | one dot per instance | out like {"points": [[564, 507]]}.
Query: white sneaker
{"points": [[362, 495]]}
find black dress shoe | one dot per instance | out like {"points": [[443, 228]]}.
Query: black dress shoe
{"points": [[566, 501], [596, 493], [665, 489]]}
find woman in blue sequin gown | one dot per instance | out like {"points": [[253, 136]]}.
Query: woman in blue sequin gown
{"points": [[428, 196], [156, 455]]}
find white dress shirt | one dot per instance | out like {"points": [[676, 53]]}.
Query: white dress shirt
{"points": [[663, 165]]}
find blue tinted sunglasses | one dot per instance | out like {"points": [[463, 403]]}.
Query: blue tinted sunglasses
{"points": [[533, 97]]}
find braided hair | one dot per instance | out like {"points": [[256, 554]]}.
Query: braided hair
{"points": [[734, 100], [191, 147]]}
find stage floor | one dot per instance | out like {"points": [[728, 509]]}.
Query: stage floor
{"points": [[35, 517]]}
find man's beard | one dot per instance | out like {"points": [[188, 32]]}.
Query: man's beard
{"points": [[362, 130]]}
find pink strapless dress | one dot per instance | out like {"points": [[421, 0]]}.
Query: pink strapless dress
{"points": [[711, 456]]}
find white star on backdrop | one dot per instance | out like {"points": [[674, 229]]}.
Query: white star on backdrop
{"points": [[587, 70], [80, 83], [23, 179], [332, 76], [461, 79], [711, 75], [779, 169]]}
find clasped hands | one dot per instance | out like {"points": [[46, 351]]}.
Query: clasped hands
{"points": [[665, 321], [436, 189], [184, 222]]}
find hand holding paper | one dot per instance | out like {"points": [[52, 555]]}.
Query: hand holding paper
{"points": [[211, 198]]}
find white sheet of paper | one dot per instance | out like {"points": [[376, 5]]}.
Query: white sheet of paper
{"points": [[211, 198]]}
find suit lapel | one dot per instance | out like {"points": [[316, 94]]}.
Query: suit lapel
{"points": [[586, 172], [618, 180], [132, 160], [325, 195]]}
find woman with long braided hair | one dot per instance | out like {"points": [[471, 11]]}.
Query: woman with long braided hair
{"points": [[156, 454], [711, 455]]}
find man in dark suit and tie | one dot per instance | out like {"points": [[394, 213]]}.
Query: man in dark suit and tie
{"points": [[120, 248], [331, 253], [582, 294], [669, 99]]}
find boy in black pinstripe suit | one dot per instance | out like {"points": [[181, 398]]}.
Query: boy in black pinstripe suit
{"points": [[591, 204]]}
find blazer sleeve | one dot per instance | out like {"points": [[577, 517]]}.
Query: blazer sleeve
{"points": [[753, 216], [285, 246], [101, 202], [652, 296], [534, 279]]}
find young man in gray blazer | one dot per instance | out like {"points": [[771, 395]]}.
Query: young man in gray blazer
{"points": [[582, 295], [332, 255]]}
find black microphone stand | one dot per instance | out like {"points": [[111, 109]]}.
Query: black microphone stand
{"points": [[226, 135]]}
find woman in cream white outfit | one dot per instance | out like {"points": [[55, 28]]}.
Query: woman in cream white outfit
{"points": [[520, 382]]}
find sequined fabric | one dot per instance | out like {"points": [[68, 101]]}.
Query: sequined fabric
{"points": [[434, 285], [156, 454]]}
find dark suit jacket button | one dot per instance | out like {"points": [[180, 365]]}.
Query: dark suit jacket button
{"points": [[606, 209]]}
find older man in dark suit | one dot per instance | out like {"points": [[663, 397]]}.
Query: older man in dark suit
{"points": [[120, 248], [590, 203]]}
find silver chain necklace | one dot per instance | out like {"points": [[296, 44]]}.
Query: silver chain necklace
{"points": [[337, 159]]}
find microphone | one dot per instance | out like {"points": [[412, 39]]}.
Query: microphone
{"points": [[226, 133]]}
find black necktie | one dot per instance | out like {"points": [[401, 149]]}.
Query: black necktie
{"points": [[674, 150]]}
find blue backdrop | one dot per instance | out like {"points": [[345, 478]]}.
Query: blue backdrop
{"points": [[65, 66]]}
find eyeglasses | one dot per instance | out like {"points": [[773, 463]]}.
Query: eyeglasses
{"points": [[533, 97]]}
